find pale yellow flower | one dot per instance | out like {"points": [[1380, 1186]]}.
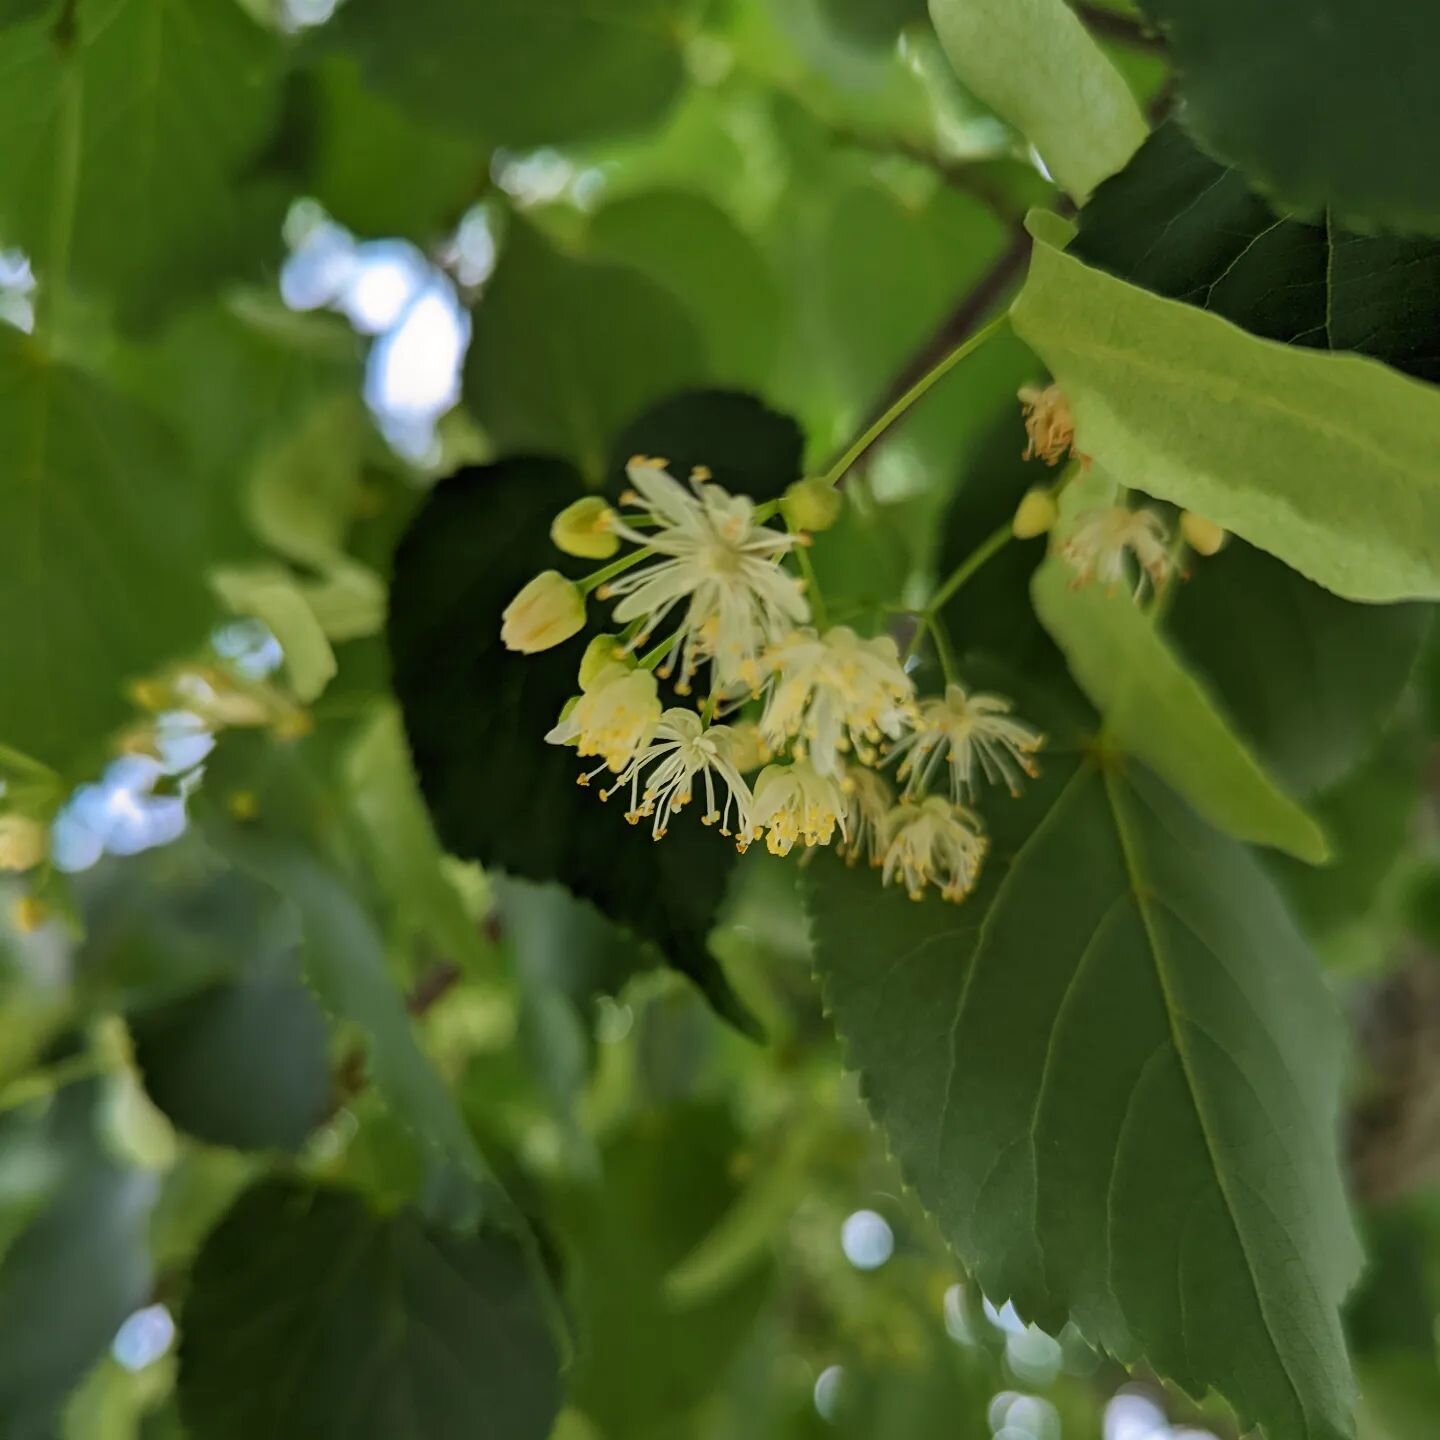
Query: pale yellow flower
{"points": [[978, 736], [614, 717], [934, 842], [796, 804], [1098, 546]]}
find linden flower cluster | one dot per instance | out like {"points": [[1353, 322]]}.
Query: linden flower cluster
{"points": [[807, 735]]}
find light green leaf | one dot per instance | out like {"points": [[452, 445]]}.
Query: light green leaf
{"points": [[1034, 64], [309, 1315], [1153, 707], [1116, 1064], [126, 139], [1326, 460], [101, 532], [268, 593]]}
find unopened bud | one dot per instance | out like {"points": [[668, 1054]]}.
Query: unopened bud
{"points": [[583, 529], [603, 650], [24, 842], [1203, 536], [812, 504], [1035, 515], [547, 612], [28, 914]]}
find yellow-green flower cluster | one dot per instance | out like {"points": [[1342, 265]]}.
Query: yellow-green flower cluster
{"points": [[807, 735]]}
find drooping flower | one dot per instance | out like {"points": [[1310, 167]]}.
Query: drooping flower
{"points": [[1097, 548], [934, 842], [546, 612], [977, 734], [715, 560], [795, 803], [1049, 423], [614, 716], [868, 802], [682, 752], [834, 693]]}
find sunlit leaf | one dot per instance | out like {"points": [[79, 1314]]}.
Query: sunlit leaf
{"points": [[1327, 461]]}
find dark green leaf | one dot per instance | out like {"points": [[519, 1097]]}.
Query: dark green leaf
{"points": [[1117, 1061], [566, 352], [74, 1275], [646, 1360], [873, 22], [92, 604], [476, 716], [1308, 678], [127, 136], [310, 1317], [1321, 102], [513, 75], [243, 1063], [1183, 225], [690, 247]]}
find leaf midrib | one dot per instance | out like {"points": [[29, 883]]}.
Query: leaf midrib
{"points": [[1130, 855]]}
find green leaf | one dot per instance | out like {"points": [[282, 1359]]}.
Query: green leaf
{"points": [[242, 1063], [269, 593], [504, 73], [127, 137], [1179, 223], [476, 714], [95, 603], [1308, 679], [1153, 707], [691, 248], [1327, 461], [1320, 103], [75, 1273], [566, 352], [1116, 1062], [1034, 64], [376, 171], [344, 962], [310, 1317], [649, 1358]]}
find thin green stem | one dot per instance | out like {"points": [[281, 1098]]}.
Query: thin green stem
{"points": [[594, 581], [991, 545], [912, 396], [652, 658], [944, 650]]}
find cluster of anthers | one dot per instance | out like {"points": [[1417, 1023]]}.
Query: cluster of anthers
{"points": [[806, 736]]}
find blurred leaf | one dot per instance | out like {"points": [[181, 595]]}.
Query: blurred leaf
{"points": [[504, 73], [242, 1063], [566, 352], [345, 964], [1319, 106], [1400, 1398], [1183, 225], [92, 604], [1308, 678], [376, 171], [476, 715], [1036, 66], [128, 134], [690, 247], [874, 22], [74, 1274], [1152, 706], [645, 1361], [373, 1328], [1117, 1061], [267, 593], [1326, 461]]}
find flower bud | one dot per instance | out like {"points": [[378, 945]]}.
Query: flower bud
{"points": [[583, 529], [603, 650], [547, 612], [24, 842], [1035, 515], [812, 504], [1203, 536]]}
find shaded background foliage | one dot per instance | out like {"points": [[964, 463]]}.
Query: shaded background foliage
{"points": [[358, 1073]]}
